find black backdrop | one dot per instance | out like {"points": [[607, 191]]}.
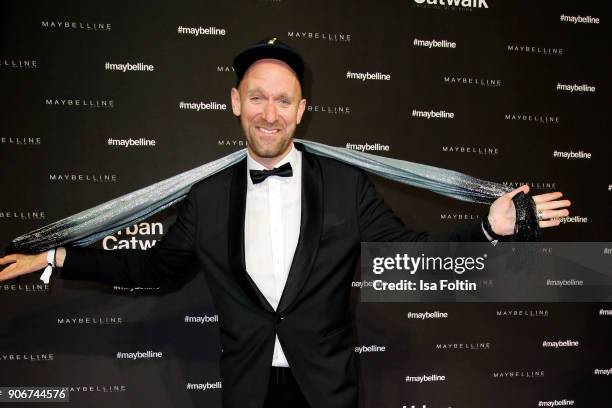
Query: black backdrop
{"points": [[517, 92]]}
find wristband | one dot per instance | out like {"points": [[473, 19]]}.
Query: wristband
{"points": [[50, 265], [487, 227]]}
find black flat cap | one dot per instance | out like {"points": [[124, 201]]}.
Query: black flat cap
{"points": [[269, 48]]}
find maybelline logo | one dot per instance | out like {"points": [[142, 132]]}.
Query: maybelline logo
{"points": [[367, 147], [521, 313], [574, 219], [28, 357], [21, 141], [571, 88], [140, 142], [18, 63], [201, 31], [134, 289], [560, 343], [572, 155], [202, 106], [129, 67], [225, 68], [332, 110], [362, 284], [537, 185], [22, 215], [425, 378], [534, 118], [67, 321], [452, 4], [579, 19], [556, 403], [139, 355], [432, 114], [480, 151], [463, 346], [518, 374], [434, 43], [93, 178], [81, 103], [231, 142], [370, 349], [309, 35], [204, 386], [202, 319], [75, 25], [28, 288], [95, 388], [363, 76], [427, 315], [526, 49], [471, 81], [605, 312], [459, 217], [112, 242]]}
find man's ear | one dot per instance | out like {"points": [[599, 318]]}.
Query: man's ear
{"points": [[301, 109], [235, 95]]}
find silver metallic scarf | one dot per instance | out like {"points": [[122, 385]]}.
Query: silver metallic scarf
{"points": [[89, 226]]}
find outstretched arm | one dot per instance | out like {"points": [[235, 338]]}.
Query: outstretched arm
{"points": [[166, 262], [22, 264]]}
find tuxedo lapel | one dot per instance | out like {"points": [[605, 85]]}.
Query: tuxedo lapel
{"points": [[237, 208], [310, 229]]}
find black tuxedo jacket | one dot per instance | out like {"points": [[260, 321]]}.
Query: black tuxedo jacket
{"points": [[340, 209]]}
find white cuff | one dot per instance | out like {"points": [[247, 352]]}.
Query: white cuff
{"points": [[50, 265], [489, 237]]}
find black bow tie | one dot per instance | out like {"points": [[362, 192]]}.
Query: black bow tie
{"points": [[257, 176]]}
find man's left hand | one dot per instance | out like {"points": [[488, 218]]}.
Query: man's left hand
{"points": [[502, 214]]}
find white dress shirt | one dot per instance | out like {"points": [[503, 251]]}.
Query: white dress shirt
{"points": [[271, 231]]}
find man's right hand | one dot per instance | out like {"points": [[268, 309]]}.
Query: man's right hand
{"points": [[22, 264]]}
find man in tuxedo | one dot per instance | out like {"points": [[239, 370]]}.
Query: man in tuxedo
{"points": [[278, 238]]}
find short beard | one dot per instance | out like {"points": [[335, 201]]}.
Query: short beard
{"points": [[270, 152]]}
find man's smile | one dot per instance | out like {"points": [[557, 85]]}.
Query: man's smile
{"points": [[269, 131]]}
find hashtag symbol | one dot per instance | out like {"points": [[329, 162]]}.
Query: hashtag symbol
{"points": [[110, 141], [180, 28], [118, 354], [414, 112], [555, 153], [609, 187], [414, 42], [348, 74], [558, 86], [186, 319]]}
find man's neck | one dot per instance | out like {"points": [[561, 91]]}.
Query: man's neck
{"points": [[270, 162]]}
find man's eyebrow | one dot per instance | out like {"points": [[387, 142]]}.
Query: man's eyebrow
{"points": [[258, 90]]}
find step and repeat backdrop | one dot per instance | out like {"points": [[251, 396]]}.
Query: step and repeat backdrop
{"points": [[102, 98]]}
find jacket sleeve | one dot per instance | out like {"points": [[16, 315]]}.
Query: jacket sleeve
{"points": [[377, 223], [160, 266]]}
